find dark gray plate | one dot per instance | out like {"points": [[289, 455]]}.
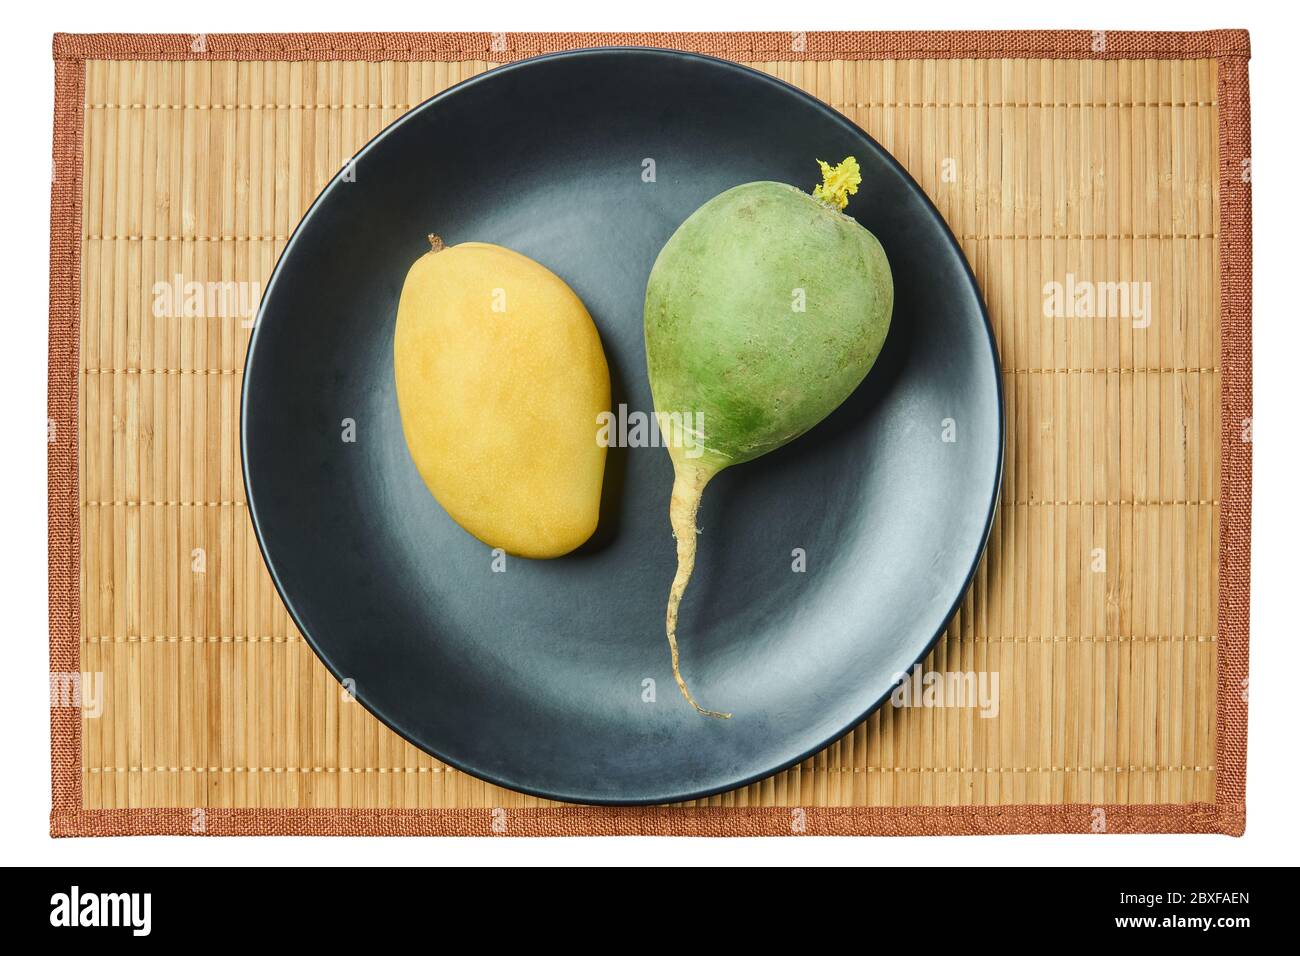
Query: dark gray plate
{"points": [[533, 678]]}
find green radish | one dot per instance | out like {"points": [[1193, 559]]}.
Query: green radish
{"points": [[764, 311]]}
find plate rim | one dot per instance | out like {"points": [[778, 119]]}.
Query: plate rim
{"points": [[669, 54]]}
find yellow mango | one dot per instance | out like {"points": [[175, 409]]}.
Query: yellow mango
{"points": [[500, 379]]}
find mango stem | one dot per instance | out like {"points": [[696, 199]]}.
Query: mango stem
{"points": [[688, 486], [838, 183], [436, 243]]}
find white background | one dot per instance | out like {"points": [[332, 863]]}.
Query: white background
{"points": [[1271, 834]]}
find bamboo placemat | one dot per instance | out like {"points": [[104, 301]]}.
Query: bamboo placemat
{"points": [[1112, 601]]}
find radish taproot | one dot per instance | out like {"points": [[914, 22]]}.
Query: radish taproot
{"points": [[764, 311]]}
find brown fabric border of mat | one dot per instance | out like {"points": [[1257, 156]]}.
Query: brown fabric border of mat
{"points": [[505, 47], [1227, 815], [649, 821], [64, 529]]}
